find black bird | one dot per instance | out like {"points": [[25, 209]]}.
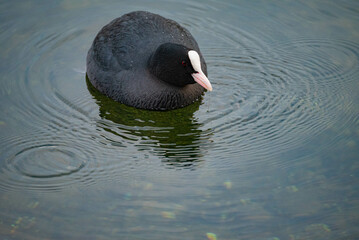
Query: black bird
{"points": [[147, 61]]}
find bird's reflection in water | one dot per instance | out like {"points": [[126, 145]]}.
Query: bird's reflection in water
{"points": [[175, 135]]}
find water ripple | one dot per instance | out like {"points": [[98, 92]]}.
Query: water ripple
{"points": [[268, 98], [43, 164], [278, 96], [57, 161], [272, 95]]}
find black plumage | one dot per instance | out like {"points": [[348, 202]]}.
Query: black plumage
{"points": [[141, 60]]}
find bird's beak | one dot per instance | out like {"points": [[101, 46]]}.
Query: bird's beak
{"points": [[202, 80], [199, 76]]}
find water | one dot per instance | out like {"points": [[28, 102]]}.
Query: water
{"points": [[271, 153]]}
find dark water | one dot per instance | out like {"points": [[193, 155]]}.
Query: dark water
{"points": [[271, 153]]}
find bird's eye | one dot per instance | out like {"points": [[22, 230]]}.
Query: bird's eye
{"points": [[184, 63]]}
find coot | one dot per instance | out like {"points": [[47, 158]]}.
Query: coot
{"points": [[147, 61]]}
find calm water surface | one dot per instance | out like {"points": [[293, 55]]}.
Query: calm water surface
{"points": [[271, 153]]}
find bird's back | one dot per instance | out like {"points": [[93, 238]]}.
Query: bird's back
{"points": [[118, 57]]}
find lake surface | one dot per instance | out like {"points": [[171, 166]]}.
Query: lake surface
{"points": [[272, 153]]}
